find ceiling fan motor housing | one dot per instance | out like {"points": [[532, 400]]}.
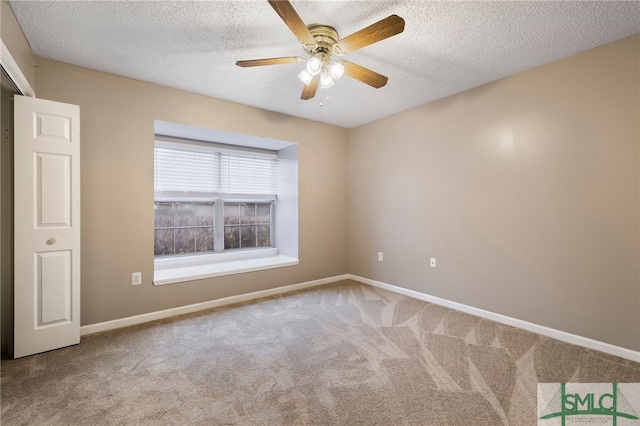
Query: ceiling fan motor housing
{"points": [[326, 41]]}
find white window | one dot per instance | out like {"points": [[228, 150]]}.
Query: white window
{"points": [[215, 207], [197, 187]]}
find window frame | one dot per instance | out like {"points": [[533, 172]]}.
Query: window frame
{"points": [[223, 161], [218, 225], [169, 269]]}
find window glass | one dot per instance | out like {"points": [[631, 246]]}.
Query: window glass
{"points": [[264, 235], [163, 242], [182, 228], [164, 215], [247, 225], [263, 213], [204, 214], [185, 240], [204, 238]]}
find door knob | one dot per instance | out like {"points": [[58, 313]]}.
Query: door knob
{"points": [[51, 241]]}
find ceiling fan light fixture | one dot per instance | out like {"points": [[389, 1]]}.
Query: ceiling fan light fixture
{"points": [[305, 76], [336, 69], [326, 80], [320, 42], [314, 65]]}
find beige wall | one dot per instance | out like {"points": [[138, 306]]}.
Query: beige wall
{"points": [[117, 119], [526, 190], [13, 37]]}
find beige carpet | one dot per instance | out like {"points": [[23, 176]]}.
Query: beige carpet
{"points": [[341, 354]]}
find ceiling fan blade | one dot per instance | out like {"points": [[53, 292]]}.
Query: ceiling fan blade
{"points": [[310, 89], [293, 21], [385, 28], [270, 61], [364, 75]]}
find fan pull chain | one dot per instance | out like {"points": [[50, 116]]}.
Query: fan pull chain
{"points": [[326, 100]]}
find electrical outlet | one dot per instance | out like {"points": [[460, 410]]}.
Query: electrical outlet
{"points": [[136, 278], [380, 256], [432, 262]]}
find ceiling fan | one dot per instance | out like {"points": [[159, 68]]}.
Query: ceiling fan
{"points": [[321, 42]]}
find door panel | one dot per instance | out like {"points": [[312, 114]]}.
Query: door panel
{"points": [[53, 180], [52, 127], [47, 225], [53, 290]]}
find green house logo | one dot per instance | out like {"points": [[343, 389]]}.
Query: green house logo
{"points": [[589, 403]]}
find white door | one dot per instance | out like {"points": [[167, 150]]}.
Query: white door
{"points": [[47, 225]]}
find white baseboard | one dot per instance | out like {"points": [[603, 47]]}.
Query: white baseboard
{"points": [[153, 316], [545, 331], [503, 319]]}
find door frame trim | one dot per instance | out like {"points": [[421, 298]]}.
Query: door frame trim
{"points": [[14, 73]]}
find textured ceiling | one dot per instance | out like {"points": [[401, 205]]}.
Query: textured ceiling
{"points": [[447, 47]]}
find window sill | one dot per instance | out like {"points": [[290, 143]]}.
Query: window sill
{"points": [[189, 268]]}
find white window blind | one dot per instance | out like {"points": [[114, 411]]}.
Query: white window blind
{"points": [[184, 170], [241, 174], [180, 169]]}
